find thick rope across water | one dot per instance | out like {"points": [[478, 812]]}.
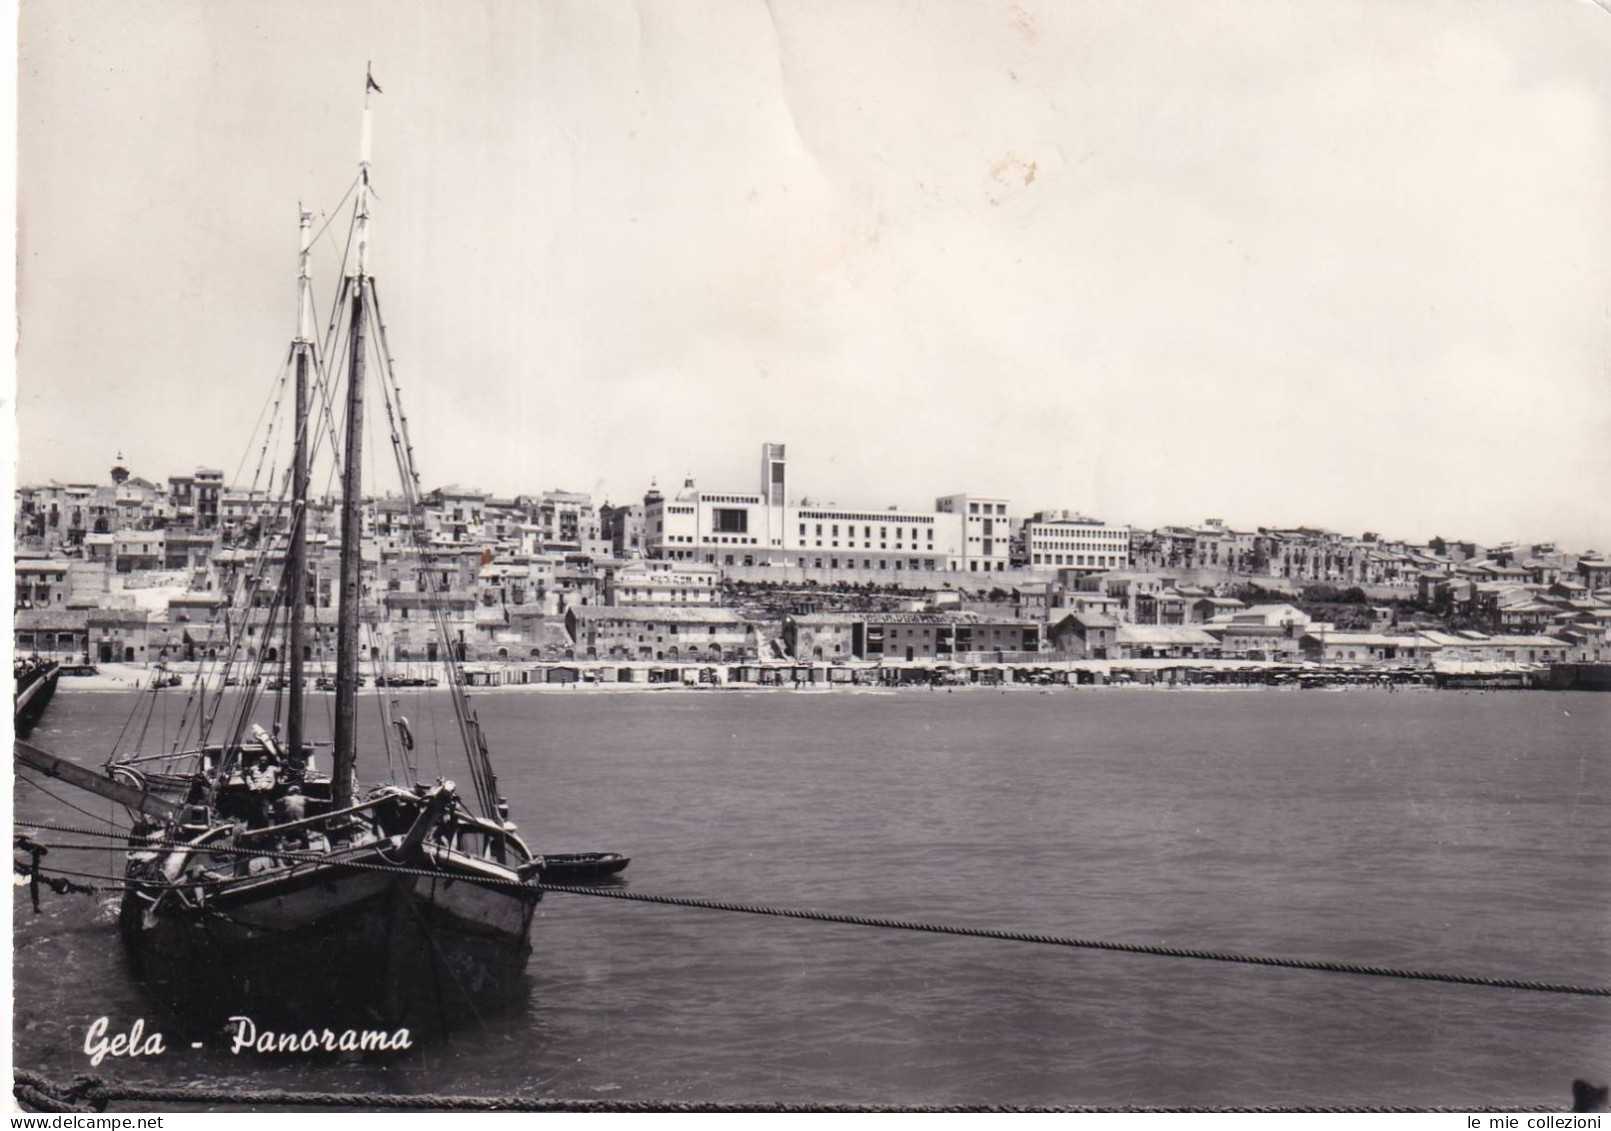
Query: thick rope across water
{"points": [[1089, 944], [806, 914]]}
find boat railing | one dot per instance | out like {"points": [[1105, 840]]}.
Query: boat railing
{"points": [[492, 833], [372, 804]]}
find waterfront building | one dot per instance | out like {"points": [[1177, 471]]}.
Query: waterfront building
{"points": [[263, 639], [665, 633], [1367, 647], [1163, 607], [1477, 647], [1035, 601], [1528, 618], [1586, 643], [119, 635], [818, 636], [1491, 600], [652, 582], [1157, 641], [1083, 636], [1064, 540], [1291, 619], [1127, 587], [734, 529], [520, 632], [963, 533], [912, 636], [1205, 609], [54, 633], [929, 636], [195, 609], [1081, 601], [986, 532], [411, 613], [1253, 641]]}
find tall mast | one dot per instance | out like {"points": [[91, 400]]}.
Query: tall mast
{"points": [[297, 563], [341, 786]]}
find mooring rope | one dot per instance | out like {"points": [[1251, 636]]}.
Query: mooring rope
{"points": [[87, 1093], [1155, 949], [1159, 950]]}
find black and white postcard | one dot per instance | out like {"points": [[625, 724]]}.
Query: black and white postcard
{"points": [[775, 555]]}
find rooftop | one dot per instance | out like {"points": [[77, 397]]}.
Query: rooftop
{"points": [[670, 614]]}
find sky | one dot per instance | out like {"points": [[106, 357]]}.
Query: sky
{"points": [[1343, 265]]}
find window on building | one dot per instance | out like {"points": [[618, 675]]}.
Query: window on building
{"points": [[730, 520]]}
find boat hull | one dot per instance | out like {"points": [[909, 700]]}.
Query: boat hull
{"points": [[324, 945]]}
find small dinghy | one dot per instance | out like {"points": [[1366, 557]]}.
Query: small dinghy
{"points": [[579, 867]]}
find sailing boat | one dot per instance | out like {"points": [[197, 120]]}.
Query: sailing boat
{"points": [[270, 887]]}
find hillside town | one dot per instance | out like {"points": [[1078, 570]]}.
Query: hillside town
{"points": [[146, 572]]}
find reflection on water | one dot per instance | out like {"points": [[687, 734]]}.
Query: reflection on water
{"points": [[1449, 831]]}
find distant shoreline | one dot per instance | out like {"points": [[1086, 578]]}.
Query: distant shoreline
{"points": [[1056, 675]]}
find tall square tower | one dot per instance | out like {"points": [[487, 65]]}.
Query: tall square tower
{"points": [[774, 475]]}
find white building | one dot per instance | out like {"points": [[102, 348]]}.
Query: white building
{"points": [[963, 532], [664, 583], [987, 531], [1059, 540]]}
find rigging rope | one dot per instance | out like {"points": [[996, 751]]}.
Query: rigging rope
{"points": [[23, 772], [334, 211], [483, 777]]}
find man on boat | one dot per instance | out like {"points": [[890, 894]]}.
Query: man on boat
{"points": [[262, 781]]}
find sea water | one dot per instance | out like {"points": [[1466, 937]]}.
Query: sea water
{"points": [[1449, 831]]}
